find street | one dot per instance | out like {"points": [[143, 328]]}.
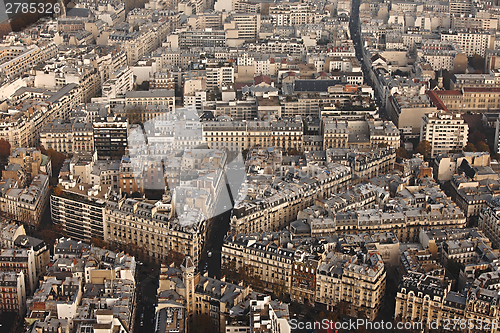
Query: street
{"points": [[147, 284], [354, 26]]}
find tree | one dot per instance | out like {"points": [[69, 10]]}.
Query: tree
{"points": [[470, 147], [58, 190], [482, 146], [56, 158], [383, 145], [279, 290], [477, 137], [99, 243], [175, 257], [401, 153], [51, 233], [230, 272], [136, 251], [424, 148], [343, 308], [4, 150], [134, 115]]}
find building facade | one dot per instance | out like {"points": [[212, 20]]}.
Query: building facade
{"points": [[444, 131]]}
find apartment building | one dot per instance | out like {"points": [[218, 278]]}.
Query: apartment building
{"points": [[25, 164], [357, 197], [420, 297], [64, 296], [79, 209], [136, 114], [158, 80], [461, 251], [110, 136], [200, 294], [239, 135], [129, 180], [489, 222], [310, 269], [363, 164], [15, 60], [219, 76], [207, 38], [207, 20], [335, 134], [404, 224], [472, 189], [9, 232], [25, 204], [68, 136], [424, 298], [150, 226], [13, 296], [41, 252], [470, 99], [301, 107], [107, 60], [236, 109], [138, 43], [384, 133], [281, 204], [196, 99], [445, 166], [406, 112], [243, 26], [119, 82], [459, 81], [20, 261], [151, 97], [460, 7], [440, 55], [474, 22], [445, 132], [359, 134], [292, 14], [360, 282], [35, 108], [469, 41], [276, 45], [303, 277], [263, 254]]}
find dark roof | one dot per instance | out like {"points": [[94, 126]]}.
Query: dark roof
{"points": [[207, 115], [27, 242], [261, 78], [62, 92], [376, 57], [436, 101], [78, 12], [314, 85]]}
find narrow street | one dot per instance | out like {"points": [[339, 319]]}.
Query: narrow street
{"points": [[147, 284], [355, 31], [218, 228]]}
